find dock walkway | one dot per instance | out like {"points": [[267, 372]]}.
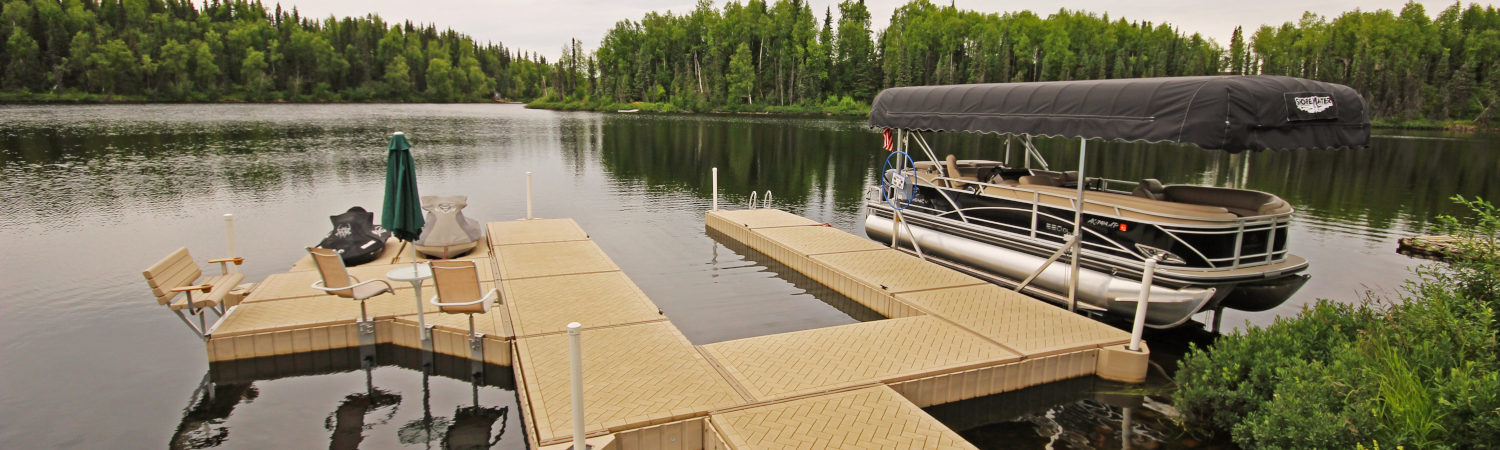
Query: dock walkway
{"points": [[948, 337]]}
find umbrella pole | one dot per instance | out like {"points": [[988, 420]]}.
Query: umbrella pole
{"points": [[422, 332]]}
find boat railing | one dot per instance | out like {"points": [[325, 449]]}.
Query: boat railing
{"points": [[1272, 224]]}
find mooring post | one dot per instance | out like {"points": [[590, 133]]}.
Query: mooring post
{"points": [[229, 226], [528, 195], [575, 363], [715, 206], [1141, 303]]}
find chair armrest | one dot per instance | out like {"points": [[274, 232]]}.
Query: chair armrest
{"points": [[195, 287], [489, 296], [223, 263], [319, 285]]}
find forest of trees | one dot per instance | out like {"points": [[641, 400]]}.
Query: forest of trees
{"points": [[1409, 66], [755, 55], [175, 51], [784, 53]]}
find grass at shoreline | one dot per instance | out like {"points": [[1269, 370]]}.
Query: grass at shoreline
{"points": [[105, 99], [843, 106]]}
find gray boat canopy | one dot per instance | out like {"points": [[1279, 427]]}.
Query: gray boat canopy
{"points": [[1233, 113]]}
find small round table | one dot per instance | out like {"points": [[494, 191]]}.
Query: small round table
{"points": [[414, 274]]}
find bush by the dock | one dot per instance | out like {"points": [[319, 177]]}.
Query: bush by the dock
{"points": [[1421, 370]]}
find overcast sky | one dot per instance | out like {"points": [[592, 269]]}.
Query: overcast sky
{"points": [[544, 26]]}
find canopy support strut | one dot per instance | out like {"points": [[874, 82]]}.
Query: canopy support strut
{"points": [[1083, 148]]}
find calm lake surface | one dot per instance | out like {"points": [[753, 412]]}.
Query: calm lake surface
{"points": [[91, 195]]}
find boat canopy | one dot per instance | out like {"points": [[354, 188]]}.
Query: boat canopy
{"points": [[1229, 112]]}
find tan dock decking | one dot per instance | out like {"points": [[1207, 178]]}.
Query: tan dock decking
{"points": [[874, 417], [949, 337]]}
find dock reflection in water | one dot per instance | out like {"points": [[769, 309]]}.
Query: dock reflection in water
{"points": [[371, 417]]}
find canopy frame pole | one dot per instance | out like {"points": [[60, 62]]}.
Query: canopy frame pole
{"points": [[1083, 149], [1032, 152], [1007, 150], [922, 143], [927, 148]]}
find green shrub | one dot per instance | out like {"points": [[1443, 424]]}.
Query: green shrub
{"points": [[1420, 372], [1219, 387]]}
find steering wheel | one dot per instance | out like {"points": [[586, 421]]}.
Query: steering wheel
{"points": [[893, 182]]}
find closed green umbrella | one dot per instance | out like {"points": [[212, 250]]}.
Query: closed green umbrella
{"points": [[402, 213]]}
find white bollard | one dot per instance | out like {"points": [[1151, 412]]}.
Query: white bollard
{"points": [[715, 206], [229, 226], [528, 195], [1141, 303], [575, 362]]}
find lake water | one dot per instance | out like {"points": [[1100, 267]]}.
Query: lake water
{"points": [[91, 195]]}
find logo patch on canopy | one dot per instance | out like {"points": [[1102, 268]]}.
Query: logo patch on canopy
{"points": [[1310, 106]]}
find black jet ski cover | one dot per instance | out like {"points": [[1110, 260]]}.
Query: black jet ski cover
{"points": [[1233, 113], [356, 237]]}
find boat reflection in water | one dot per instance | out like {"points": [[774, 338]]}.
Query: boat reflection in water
{"points": [[232, 384]]}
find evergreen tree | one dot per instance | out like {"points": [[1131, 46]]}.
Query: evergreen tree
{"points": [[741, 76]]}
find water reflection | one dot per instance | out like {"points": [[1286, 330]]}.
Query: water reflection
{"points": [[363, 417]]}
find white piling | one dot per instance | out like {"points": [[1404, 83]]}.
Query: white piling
{"points": [[715, 206], [575, 363], [1141, 303], [528, 195], [229, 226]]}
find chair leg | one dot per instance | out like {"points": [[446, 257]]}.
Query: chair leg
{"points": [[366, 327], [476, 349]]}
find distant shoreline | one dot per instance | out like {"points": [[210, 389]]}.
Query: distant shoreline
{"points": [[1457, 126]]}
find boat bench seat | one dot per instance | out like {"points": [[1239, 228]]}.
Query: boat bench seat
{"points": [[1063, 198], [178, 274], [1242, 202]]}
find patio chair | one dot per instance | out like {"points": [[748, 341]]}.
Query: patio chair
{"points": [[337, 281], [458, 290]]}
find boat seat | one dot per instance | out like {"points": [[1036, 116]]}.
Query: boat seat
{"points": [[1063, 198], [1150, 188], [178, 274], [1061, 178], [1241, 202], [1040, 180]]}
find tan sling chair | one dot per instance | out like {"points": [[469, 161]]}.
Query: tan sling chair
{"points": [[337, 281], [458, 290]]}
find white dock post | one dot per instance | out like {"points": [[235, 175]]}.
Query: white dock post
{"points": [[229, 226], [715, 206], [528, 195], [1141, 303], [575, 362]]}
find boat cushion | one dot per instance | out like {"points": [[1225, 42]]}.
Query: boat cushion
{"points": [[1150, 188], [1241, 202]]}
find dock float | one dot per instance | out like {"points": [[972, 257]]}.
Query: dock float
{"points": [[944, 337]]}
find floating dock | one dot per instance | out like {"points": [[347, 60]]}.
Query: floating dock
{"points": [[946, 337]]}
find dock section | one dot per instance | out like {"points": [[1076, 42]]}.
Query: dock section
{"points": [[945, 337], [638, 369], [1044, 343]]}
